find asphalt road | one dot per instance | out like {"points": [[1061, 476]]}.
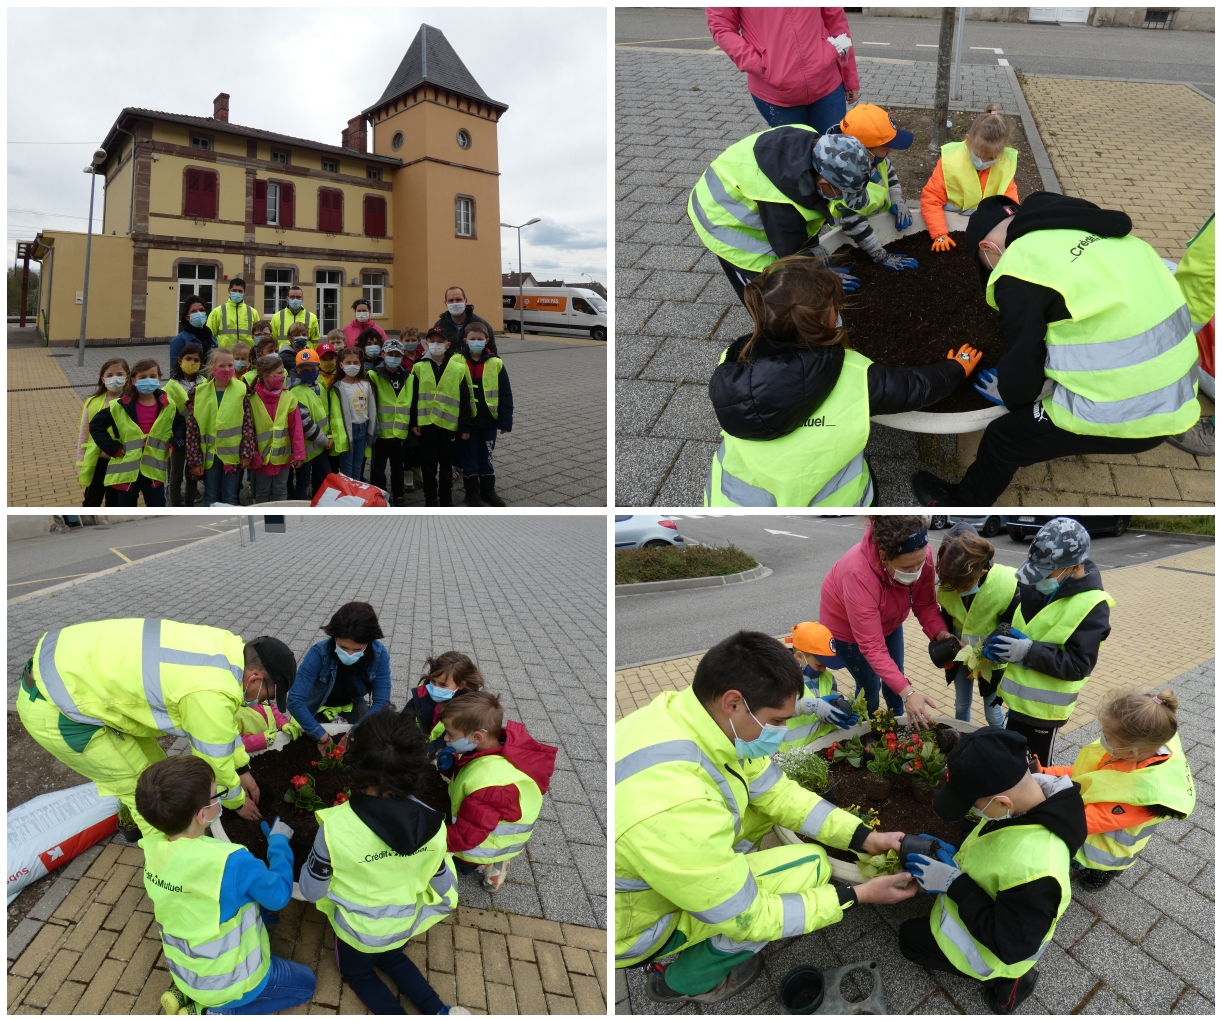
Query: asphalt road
{"points": [[1035, 49], [800, 550]]}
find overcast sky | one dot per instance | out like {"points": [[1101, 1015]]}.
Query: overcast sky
{"points": [[304, 72]]}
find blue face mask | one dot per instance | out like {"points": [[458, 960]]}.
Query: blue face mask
{"points": [[348, 658], [393, 361], [295, 304], [437, 694], [372, 349], [307, 376], [299, 342], [980, 164], [461, 746], [236, 297], [147, 386], [766, 744], [810, 672], [476, 347], [971, 592], [1049, 585], [839, 321], [197, 319]]}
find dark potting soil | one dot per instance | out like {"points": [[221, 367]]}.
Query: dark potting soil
{"points": [[913, 317], [272, 772]]}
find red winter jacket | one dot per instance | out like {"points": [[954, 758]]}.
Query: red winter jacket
{"points": [[785, 51], [482, 810]]}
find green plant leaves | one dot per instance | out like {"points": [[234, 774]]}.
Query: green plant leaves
{"points": [[872, 866], [977, 664]]}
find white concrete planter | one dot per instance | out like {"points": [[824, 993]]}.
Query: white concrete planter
{"points": [[918, 421], [849, 872]]}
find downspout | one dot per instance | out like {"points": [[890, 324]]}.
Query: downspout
{"points": [[131, 197], [47, 266]]}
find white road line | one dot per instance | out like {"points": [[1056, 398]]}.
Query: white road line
{"points": [[928, 46], [865, 43], [779, 532], [1003, 62], [995, 49]]}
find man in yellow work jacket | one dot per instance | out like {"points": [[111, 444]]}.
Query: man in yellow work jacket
{"points": [[98, 695], [695, 790], [1100, 356], [1001, 893], [295, 312], [233, 320]]}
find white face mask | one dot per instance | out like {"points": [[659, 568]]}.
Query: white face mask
{"points": [[979, 813], [436, 348], [456, 308], [114, 383], [980, 164], [906, 578], [350, 369], [362, 317]]}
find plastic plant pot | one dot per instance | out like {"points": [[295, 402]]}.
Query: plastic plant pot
{"points": [[801, 991], [877, 787], [919, 421]]}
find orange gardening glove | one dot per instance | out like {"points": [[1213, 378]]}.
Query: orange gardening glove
{"points": [[942, 244], [967, 357]]}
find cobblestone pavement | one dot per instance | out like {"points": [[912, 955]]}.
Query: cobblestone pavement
{"points": [[555, 456], [532, 613], [675, 312], [1143, 945]]}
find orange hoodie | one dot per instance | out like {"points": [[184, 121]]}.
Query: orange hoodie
{"points": [[1104, 816], [933, 198]]}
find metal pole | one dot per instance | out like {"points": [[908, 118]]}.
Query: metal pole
{"points": [[80, 354], [954, 78], [521, 306]]}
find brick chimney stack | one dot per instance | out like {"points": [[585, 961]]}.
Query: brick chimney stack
{"points": [[354, 135], [220, 107]]}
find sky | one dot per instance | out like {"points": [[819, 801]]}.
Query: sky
{"points": [[304, 72]]}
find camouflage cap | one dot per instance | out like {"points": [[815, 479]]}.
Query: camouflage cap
{"points": [[1062, 543], [845, 163]]}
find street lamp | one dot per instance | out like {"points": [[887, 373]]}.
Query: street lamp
{"points": [[521, 309], [99, 157]]}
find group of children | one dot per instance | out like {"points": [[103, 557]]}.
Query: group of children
{"points": [[285, 413], [382, 865]]}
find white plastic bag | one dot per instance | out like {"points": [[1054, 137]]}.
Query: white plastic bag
{"points": [[53, 829]]}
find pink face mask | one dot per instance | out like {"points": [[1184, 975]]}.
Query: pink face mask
{"points": [[222, 374], [274, 383]]}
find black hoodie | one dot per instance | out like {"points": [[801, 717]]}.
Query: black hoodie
{"points": [[1026, 308], [403, 823], [784, 156], [781, 387], [1013, 924]]}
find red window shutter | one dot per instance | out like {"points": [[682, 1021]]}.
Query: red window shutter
{"points": [[330, 210], [286, 204], [260, 202], [324, 208], [337, 211], [375, 216], [208, 194], [191, 200]]}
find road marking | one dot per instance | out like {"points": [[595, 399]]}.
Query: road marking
{"points": [[123, 556], [928, 46], [864, 43], [779, 532], [681, 39], [1003, 62], [56, 578], [995, 49]]}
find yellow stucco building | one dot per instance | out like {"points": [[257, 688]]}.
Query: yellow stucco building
{"points": [[396, 219]]}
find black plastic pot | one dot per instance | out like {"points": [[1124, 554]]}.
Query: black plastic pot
{"points": [[801, 991], [830, 794]]}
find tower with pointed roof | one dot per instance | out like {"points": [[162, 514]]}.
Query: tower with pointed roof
{"points": [[435, 117]]}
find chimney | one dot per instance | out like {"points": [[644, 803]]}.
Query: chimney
{"points": [[220, 107], [354, 135]]}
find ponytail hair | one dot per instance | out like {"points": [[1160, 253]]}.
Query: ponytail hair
{"points": [[961, 558], [990, 133], [791, 301], [1141, 720]]}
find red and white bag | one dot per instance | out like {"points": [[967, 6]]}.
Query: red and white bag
{"points": [[340, 491], [53, 829]]}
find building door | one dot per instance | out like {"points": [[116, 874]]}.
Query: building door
{"points": [[197, 279], [327, 306], [1061, 15]]}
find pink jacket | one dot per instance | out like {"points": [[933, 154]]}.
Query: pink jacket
{"points": [[785, 51], [271, 402], [353, 330], [862, 604]]}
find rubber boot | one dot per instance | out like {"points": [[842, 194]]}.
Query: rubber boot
{"points": [[1096, 879], [740, 977], [1003, 996], [487, 490], [471, 485]]}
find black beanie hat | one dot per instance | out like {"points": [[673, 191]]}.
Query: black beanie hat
{"points": [[280, 664], [991, 211]]}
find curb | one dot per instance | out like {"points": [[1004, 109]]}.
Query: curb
{"points": [[704, 582], [1048, 176]]}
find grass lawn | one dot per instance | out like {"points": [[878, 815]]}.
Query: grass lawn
{"points": [[666, 563], [1198, 525]]}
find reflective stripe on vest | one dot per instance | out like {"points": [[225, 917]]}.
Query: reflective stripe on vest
{"points": [[316, 404], [653, 936], [970, 950], [962, 180], [996, 592], [1124, 363], [146, 455], [438, 401], [1039, 695], [89, 456], [804, 729], [490, 383], [680, 750], [220, 426], [821, 463], [1195, 276], [508, 838], [394, 411], [280, 327], [273, 439], [249, 918]]}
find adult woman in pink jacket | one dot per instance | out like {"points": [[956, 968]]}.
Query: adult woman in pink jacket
{"points": [[794, 74], [867, 596]]}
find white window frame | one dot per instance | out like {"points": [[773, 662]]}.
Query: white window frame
{"points": [[276, 289], [273, 203], [280, 157], [464, 216], [190, 276], [373, 285], [373, 173], [330, 166], [202, 142]]}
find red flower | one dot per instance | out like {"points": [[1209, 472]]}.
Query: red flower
{"points": [[340, 799], [299, 781], [916, 763], [313, 762]]}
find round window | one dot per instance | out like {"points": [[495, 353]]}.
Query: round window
{"points": [[396, 141], [464, 139]]}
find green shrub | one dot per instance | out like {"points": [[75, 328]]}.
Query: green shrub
{"points": [[665, 563], [1200, 525], [807, 767]]}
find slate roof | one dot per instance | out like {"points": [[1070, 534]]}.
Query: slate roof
{"points": [[431, 59]]}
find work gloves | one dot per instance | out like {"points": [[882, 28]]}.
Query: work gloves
{"points": [[942, 244], [278, 827], [934, 875], [893, 261], [1009, 648], [445, 759], [985, 385], [827, 710], [967, 357], [850, 282], [903, 218]]}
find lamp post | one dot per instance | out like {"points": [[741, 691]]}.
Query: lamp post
{"points": [[521, 310], [99, 157]]}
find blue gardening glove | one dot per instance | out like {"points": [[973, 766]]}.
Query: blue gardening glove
{"points": [[850, 282], [903, 218], [276, 828], [893, 261], [985, 385], [1008, 648], [827, 711], [445, 759], [934, 877], [946, 851]]}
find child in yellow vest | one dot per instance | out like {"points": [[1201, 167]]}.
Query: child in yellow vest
{"points": [[275, 412], [379, 869], [208, 897], [1133, 777], [500, 776], [982, 164], [111, 379], [241, 359], [184, 375], [298, 338], [221, 480]]}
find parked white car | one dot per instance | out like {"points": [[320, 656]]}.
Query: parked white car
{"points": [[635, 531]]}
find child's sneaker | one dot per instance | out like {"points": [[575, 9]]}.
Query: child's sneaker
{"points": [[175, 1002], [494, 875], [454, 1009]]}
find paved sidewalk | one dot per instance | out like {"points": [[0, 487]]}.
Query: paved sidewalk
{"points": [[555, 456], [533, 616]]}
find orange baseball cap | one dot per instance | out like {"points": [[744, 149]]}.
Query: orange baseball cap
{"points": [[816, 639], [871, 126], [306, 357]]}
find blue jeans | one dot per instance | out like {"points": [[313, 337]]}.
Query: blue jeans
{"points": [[154, 496], [865, 675], [820, 115], [288, 985], [352, 461], [475, 453], [994, 708], [220, 485]]}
